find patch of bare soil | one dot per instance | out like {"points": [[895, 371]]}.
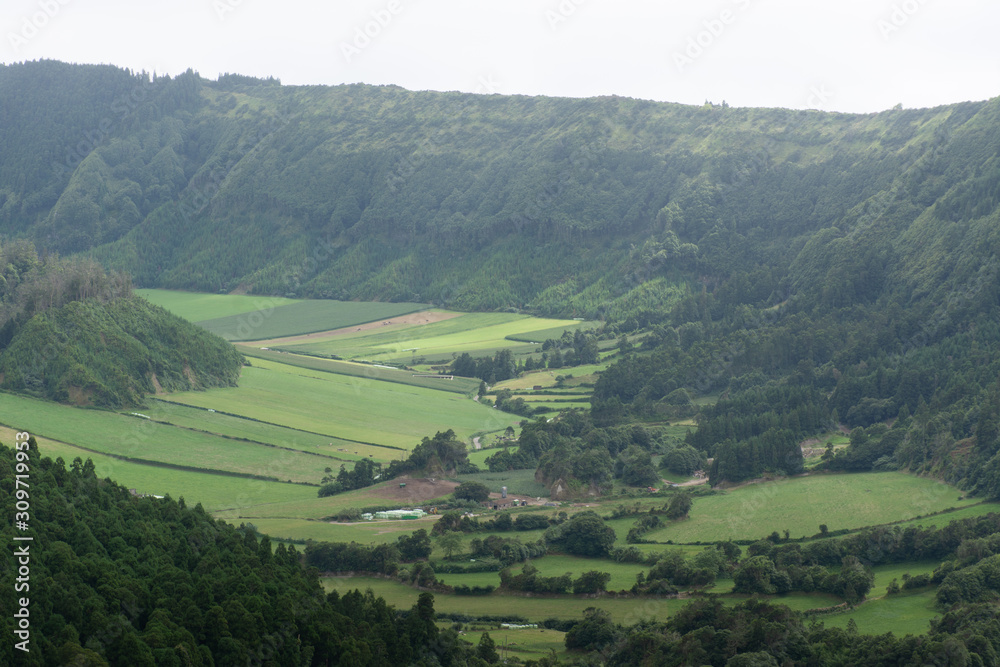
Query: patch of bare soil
{"points": [[399, 322], [417, 490], [156, 384]]}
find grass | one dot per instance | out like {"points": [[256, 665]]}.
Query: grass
{"points": [[941, 520], [539, 336], [214, 492], [535, 609], [352, 408], [195, 306], [318, 508], [238, 427], [518, 482], [457, 385], [374, 532], [479, 456], [304, 317], [524, 643], [622, 574], [839, 501], [475, 333], [908, 612], [135, 438], [886, 573], [547, 378]]}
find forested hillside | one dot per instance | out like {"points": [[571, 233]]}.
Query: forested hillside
{"points": [[812, 269], [599, 207], [114, 579], [71, 332]]}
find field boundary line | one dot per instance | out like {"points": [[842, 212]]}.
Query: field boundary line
{"points": [[292, 428], [237, 439], [172, 466], [310, 355]]}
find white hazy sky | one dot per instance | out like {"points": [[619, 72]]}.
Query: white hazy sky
{"points": [[839, 55]]}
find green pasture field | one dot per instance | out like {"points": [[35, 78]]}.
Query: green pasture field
{"points": [[560, 406], [196, 306], [214, 492], [352, 408], [524, 643], [303, 317], [366, 532], [239, 427], [886, 573], [800, 504], [525, 536], [622, 574], [377, 495], [943, 519], [563, 399], [479, 456], [470, 579], [137, 438], [535, 609], [539, 336], [908, 612], [458, 385], [518, 482], [547, 378], [476, 333]]}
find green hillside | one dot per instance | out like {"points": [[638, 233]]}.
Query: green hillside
{"points": [[606, 207]]}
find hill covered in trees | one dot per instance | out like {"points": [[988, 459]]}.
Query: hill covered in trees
{"points": [[71, 332], [810, 268], [606, 207]]}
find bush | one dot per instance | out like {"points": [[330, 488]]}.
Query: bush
{"points": [[585, 534], [474, 590], [330, 489], [531, 522], [476, 491]]}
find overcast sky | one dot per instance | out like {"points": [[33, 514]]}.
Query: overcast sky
{"points": [[839, 55]]}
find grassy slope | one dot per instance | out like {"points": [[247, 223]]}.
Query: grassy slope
{"points": [[475, 333], [350, 407], [197, 306], [214, 492], [754, 511], [136, 438], [305, 317], [456, 385]]}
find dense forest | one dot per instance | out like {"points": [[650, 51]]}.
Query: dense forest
{"points": [[114, 579]]}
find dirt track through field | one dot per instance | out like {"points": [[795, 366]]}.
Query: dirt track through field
{"points": [[400, 322]]}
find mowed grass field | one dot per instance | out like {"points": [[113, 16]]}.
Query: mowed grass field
{"points": [[458, 385], [801, 504], [214, 492], [238, 427], [352, 408], [136, 438], [367, 532], [478, 334], [196, 306], [305, 317], [535, 609]]}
